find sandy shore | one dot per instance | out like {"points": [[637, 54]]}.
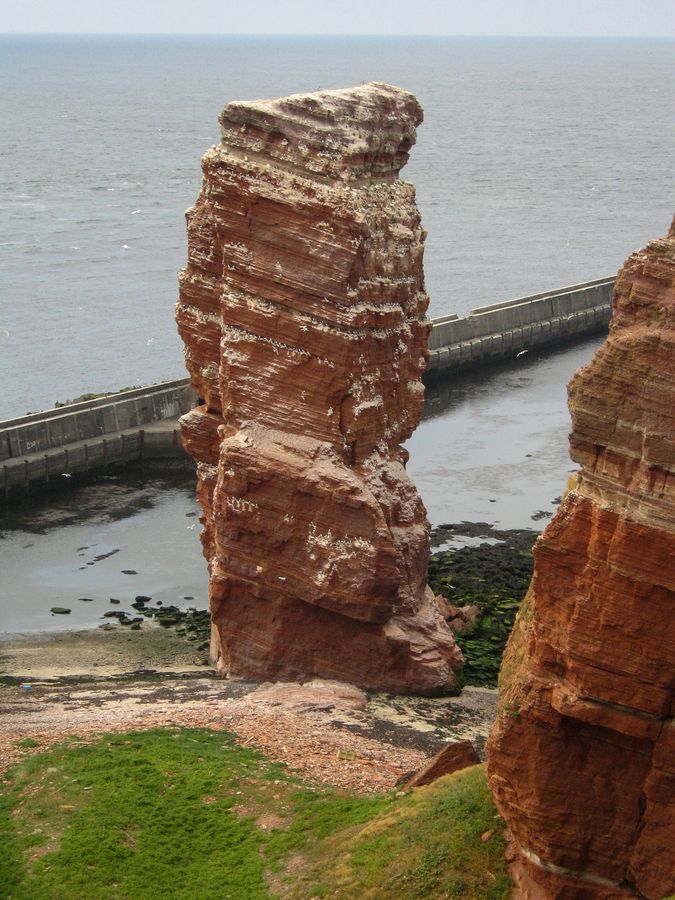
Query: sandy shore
{"points": [[95, 652]]}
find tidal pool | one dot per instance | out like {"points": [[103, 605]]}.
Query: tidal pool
{"points": [[120, 537]]}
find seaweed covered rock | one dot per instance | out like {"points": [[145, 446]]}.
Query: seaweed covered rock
{"points": [[481, 588]]}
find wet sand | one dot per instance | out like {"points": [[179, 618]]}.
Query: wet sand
{"points": [[96, 654]]}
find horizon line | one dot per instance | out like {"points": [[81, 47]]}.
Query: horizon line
{"points": [[303, 34]]}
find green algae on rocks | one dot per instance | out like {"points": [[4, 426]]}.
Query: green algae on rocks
{"points": [[494, 576]]}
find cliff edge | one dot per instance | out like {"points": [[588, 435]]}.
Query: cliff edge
{"points": [[581, 760]]}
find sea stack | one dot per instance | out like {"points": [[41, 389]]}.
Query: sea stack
{"points": [[581, 760], [302, 309]]}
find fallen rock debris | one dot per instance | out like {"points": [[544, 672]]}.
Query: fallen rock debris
{"points": [[320, 751]]}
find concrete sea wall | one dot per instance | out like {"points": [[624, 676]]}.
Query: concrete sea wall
{"points": [[501, 331], [80, 437], [141, 423]]}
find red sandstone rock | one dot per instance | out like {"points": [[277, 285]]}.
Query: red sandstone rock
{"points": [[302, 309], [455, 756], [459, 618], [581, 760], [318, 695]]}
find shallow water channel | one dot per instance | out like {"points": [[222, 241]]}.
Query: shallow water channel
{"points": [[493, 444], [492, 447]]}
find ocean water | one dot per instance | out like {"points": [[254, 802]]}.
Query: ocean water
{"points": [[85, 542], [540, 163]]}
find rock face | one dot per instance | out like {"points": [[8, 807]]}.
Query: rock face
{"points": [[581, 760], [302, 309]]}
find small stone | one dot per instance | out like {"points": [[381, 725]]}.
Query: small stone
{"points": [[346, 754], [60, 610]]}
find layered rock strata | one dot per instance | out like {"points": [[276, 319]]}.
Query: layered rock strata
{"points": [[582, 758], [302, 309]]}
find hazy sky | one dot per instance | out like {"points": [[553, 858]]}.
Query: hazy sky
{"points": [[632, 18]]}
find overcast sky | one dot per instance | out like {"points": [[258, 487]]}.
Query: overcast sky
{"points": [[630, 18]]}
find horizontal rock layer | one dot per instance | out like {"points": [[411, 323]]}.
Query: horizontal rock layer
{"points": [[582, 757], [302, 309]]}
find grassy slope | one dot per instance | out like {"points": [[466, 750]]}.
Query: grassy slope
{"points": [[426, 845], [162, 813], [187, 813]]}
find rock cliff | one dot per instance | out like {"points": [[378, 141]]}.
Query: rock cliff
{"points": [[302, 309], [581, 760]]}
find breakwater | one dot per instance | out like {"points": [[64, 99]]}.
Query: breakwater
{"points": [[503, 330], [141, 423], [94, 434]]}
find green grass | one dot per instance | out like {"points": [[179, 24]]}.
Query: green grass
{"points": [[27, 743], [426, 845], [158, 814], [188, 813]]}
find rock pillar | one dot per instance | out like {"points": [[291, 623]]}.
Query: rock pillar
{"points": [[302, 309]]}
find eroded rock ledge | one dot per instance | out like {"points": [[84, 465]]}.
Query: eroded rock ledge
{"points": [[302, 309], [582, 757]]}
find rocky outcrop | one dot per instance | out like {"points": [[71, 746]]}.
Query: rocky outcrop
{"points": [[582, 757], [302, 309], [452, 758]]}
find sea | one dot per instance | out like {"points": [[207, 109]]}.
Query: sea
{"points": [[540, 163], [491, 448]]}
